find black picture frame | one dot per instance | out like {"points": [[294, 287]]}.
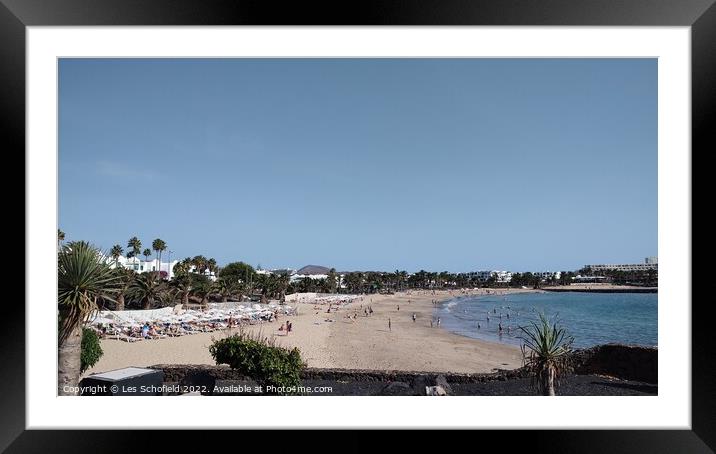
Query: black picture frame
{"points": [[699, 15]]}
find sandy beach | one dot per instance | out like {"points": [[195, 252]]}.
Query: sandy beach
{"points": [[366, 343]]}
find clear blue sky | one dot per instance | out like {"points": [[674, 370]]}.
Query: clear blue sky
{"points": [[441, 164]]}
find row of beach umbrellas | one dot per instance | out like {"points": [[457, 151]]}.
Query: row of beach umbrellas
{"points": [[138, 318]]}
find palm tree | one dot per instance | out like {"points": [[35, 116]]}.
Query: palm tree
{"points": [[183, 285], [283, 282], [222, 288], [148, 288], [83, 277], [201, 263], [204, 288], [60, 237], [159, 246], [116, 252], [332, 281], [147, 253], [182, 267], [545, 353], [125, 277], [212, 266], [136, 247]]}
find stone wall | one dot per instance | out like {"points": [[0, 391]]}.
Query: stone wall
{"points": [[620, 361], [628, 362], [199, 374]]}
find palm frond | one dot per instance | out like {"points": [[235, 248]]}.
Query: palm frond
{"points": [[83, 278]]}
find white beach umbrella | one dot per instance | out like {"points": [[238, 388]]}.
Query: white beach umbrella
{"points": [[102, 321]]}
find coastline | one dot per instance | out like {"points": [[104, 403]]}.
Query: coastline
{"points": [[599, 287], [363, 343]]}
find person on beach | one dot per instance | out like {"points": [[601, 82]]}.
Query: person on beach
{"points": [[398, 306], [414, 317], [438, 321], [499, 328], [289, 326], [390, 328]]}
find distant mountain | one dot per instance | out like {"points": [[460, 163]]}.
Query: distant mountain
{"points": [[313, 269]]}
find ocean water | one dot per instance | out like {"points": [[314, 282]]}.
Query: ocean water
{"points": [[591, 318]]}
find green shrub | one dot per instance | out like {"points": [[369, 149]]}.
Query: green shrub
{"points": [[260, 359], [91, 350]]}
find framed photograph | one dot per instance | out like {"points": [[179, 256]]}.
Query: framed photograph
{"points": [[471, 215]]}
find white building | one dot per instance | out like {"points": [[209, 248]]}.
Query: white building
{"points": [[500, 276], [547, 275], [210, 274], [650, 263], [143, 266], [580, 278], [298, 277]]}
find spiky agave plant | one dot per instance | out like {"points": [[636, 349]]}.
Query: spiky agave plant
{"points": [[83, 277], [545, 352]]}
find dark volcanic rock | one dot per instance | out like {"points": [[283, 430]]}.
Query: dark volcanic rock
{"points": [[397, 388], [573, 385], [419, 384], [633, 371], [627, 362], [199, 379]]}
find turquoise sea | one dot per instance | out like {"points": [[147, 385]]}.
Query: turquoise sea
{"points": [[591, 318]]}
